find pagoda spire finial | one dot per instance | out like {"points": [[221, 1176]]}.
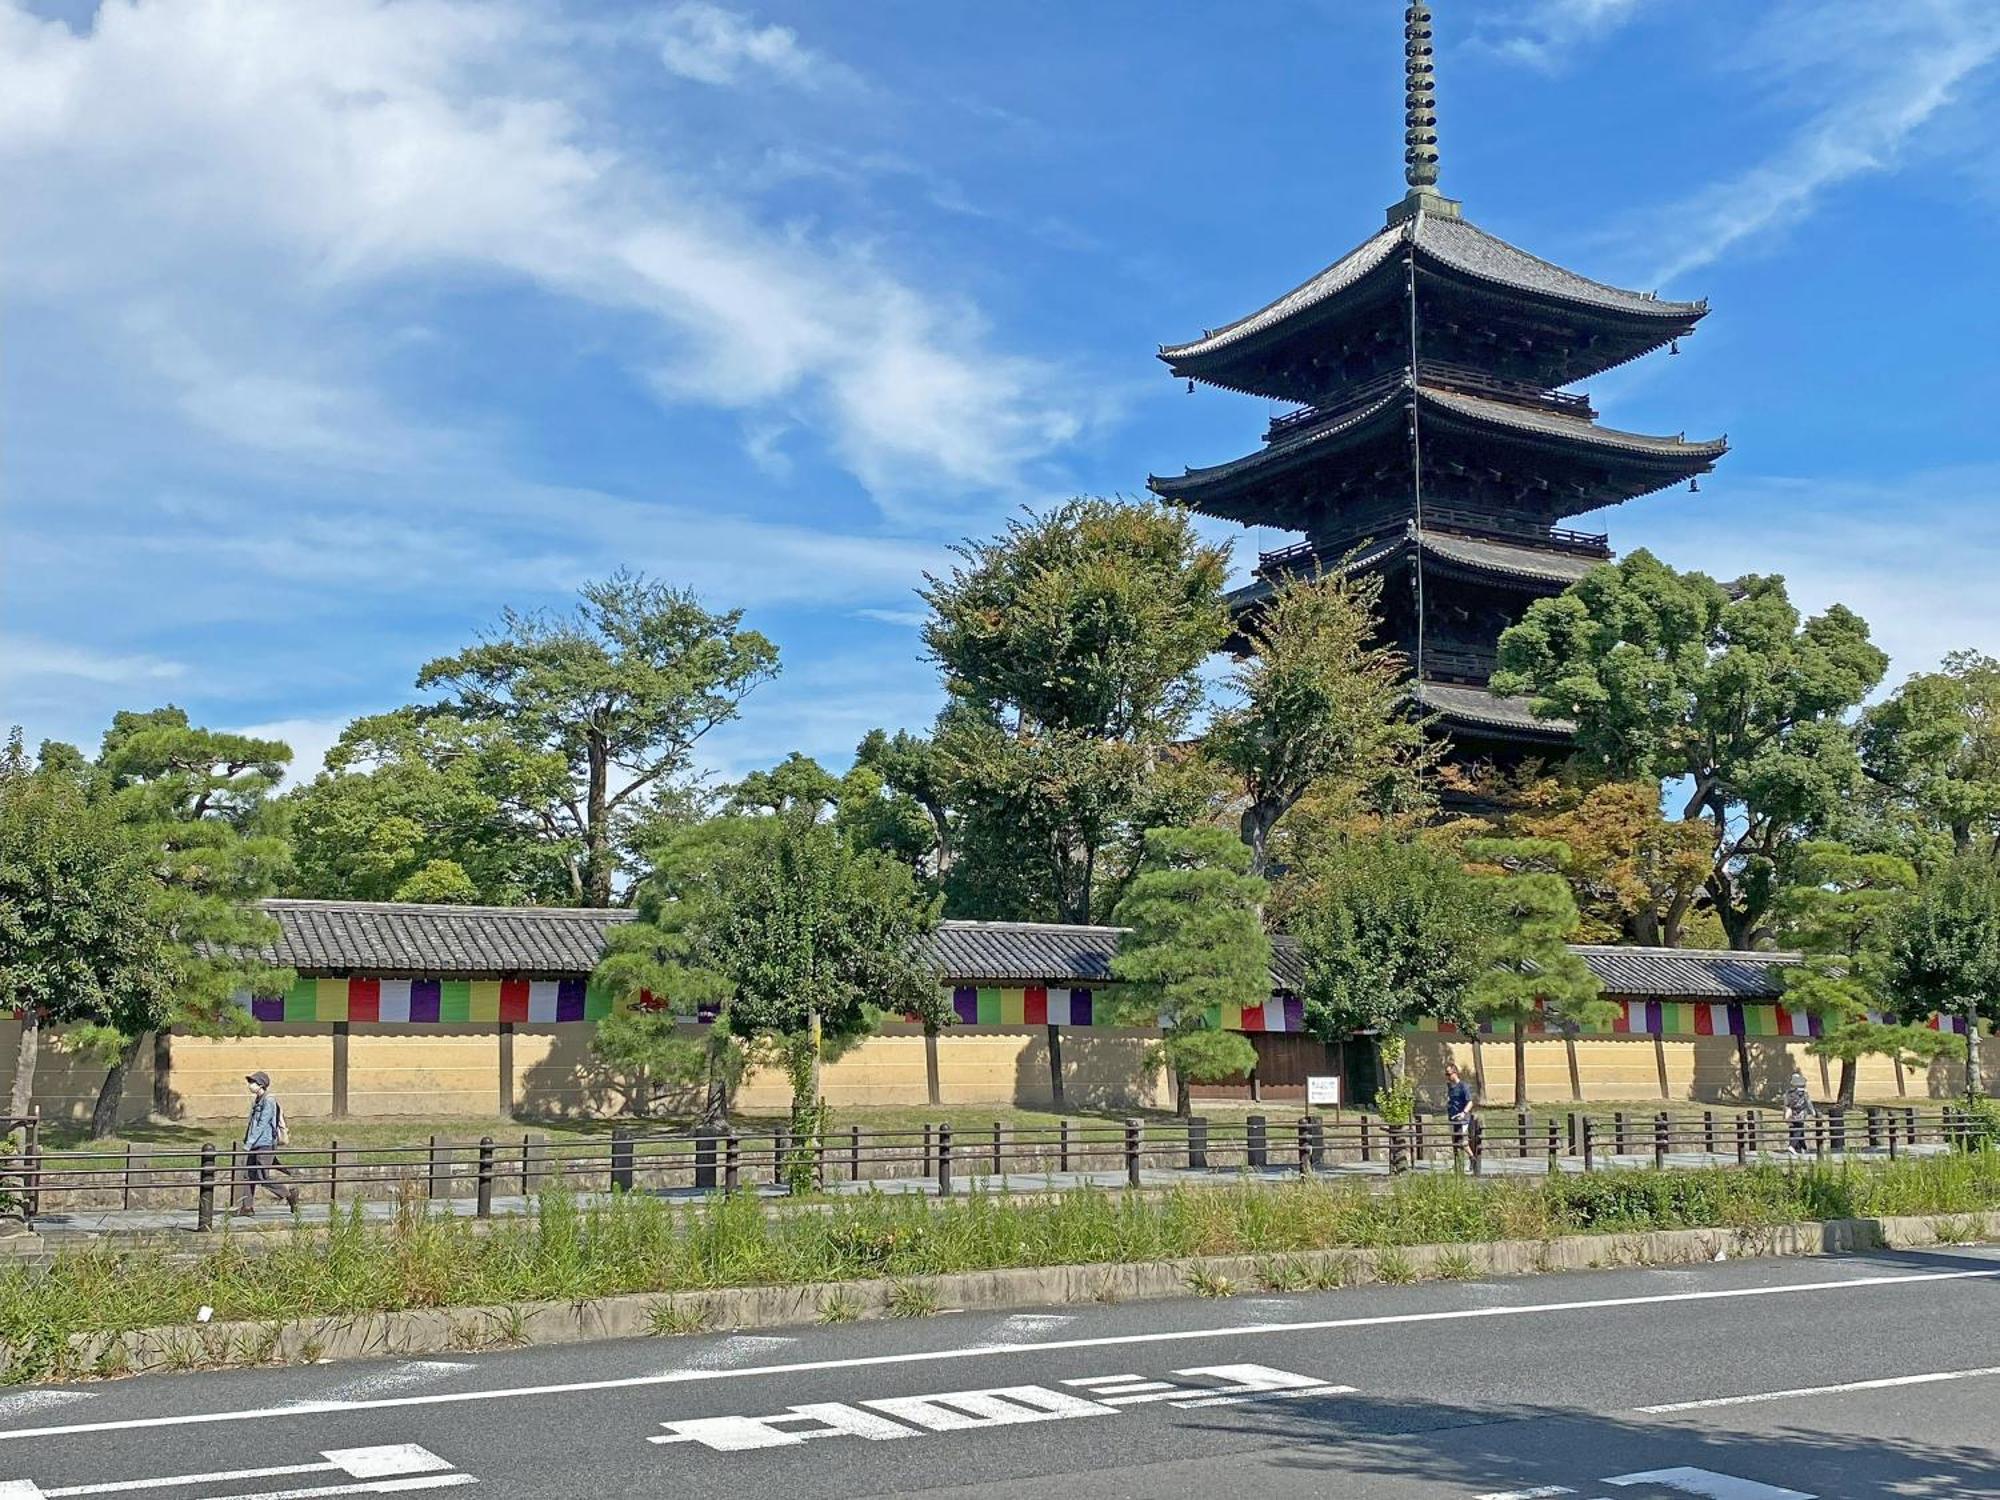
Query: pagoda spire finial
{"points": [[1420, 121]]}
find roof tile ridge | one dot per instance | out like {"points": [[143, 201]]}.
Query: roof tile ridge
{"points": [[1664, 303]]}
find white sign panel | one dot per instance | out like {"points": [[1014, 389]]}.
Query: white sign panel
{"points": [[1323, 1091]]}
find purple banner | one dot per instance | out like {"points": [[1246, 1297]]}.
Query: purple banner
{"points": [[965, 1001], [1295, 1013], [569, 999], [268, 1007], [424, 996]]}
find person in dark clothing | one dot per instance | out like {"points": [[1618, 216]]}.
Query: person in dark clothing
{"points": [[262, 1136], [1461, 1109], [1798, 1110]]}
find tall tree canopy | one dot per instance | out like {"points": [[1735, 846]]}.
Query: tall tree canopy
{"points": [[1944, 952], [1317, 700], [1933, 751], [1673, 675], [84, 939], [1196, 942], [1636, 874], [1532, 971], [621, 690], [1390, 929], [1071, 646], [1841, 910], [418, 807], [197, 800]]}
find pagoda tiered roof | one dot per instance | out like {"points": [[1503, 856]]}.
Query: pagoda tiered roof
{"points": [[1560, 326], [1571, 463], [1538, 566]]}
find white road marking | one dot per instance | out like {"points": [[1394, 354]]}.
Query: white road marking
{"points": [[1888, 1383], [1025, 1327], [386, 1469], [733, 1351], [1540, 1492], [403, 1377], [39, 1400], [1710, 1484], [988, 1351]]}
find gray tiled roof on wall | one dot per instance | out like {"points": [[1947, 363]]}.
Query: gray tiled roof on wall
{"points": [[324, 938]]}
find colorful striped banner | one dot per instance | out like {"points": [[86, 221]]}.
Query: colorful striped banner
{"points": [[1666, 1018]]}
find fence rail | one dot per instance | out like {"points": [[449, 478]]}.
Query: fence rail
{"points": [[942, 1159]]}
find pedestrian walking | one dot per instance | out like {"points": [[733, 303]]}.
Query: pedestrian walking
{"points": [[1798, 1110], [1461, 1108], [262, 1137]]}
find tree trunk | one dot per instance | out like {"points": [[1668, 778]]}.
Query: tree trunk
{"points": [[1849, 1068], [715, 1097], [1973, 1085], [815, 1087], [111, 1094], [597, 833], [165, 1104], [1183, 1098], [1520, 1064], [1256, 825], [23, 1096], [933, 1093]]}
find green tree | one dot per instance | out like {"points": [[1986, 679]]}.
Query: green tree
{"points": [[417, 807], [1389, 929], [1195, 942], [1636, 875], [801, 938], [1532, 970], [1944, 954], [1932, 751], [1071, 647], [620, 690], [83, 934], [1318, 700], [913, 775], [1841, 910], [198, 801], [1672, 675]]}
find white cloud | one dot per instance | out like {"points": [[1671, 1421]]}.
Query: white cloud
{"points": [[23, 660], [908, 619], [1869, 75], [309, 738], [710, 44], [212, 189], [1544, 33]]}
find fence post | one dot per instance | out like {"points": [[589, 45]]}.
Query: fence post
{"points": [[431, 1182], [1318, 1142], [332, 1172], [1257, 1148], [1521, 1124], [1742, 1141], [1819, 1136], [1750, 1124], [1555, 1145], [1135, 1139], [1910, 1126], [621, 1158], [1367, 1141], [1062, 1147], [1662, 1127], [930, 1151], [1874, 1127], [1708, 1132], [1589, 1146], [204, 1213], [1198, 1143], [1836, 1128], [732, 1163], [485, 1208], [1417, 1137], [527, 1166], [854, 1153], [1575, 1140], [781, 1148], [1305, 1146], [31, 1147], [944, 1161], [1892, 1135], [127, 1201], [1618, 1141], [704, 1159], [999, 1166]]}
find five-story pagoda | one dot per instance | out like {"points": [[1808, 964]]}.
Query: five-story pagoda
{"points": [[1434, 441]]}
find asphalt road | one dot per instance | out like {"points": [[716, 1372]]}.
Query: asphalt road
{"points": [[1862, 1376]]}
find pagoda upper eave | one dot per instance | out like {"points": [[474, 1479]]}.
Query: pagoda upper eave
{"points": [[1584, 327], [1522, 565], [1362, 452]]}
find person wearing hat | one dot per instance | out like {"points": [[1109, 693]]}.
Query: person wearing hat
{"points": [[261, 1139]]}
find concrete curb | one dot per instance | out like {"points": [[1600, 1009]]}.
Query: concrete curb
{"points": [[438, 1330]]}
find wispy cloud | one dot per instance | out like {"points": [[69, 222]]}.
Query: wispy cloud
{"points": [[1867, 76], [711, 44], [211, 189], [23, 659], [1546, 33]]}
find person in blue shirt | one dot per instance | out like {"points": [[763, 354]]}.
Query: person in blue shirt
{"points": [[1466, 1127], [262, 1136]]}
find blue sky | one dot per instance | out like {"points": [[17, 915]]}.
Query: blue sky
{"points": [[333, 327]]}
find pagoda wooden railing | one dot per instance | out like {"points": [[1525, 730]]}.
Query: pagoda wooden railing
{"points": [[1302, 556], [1462, 378]]}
